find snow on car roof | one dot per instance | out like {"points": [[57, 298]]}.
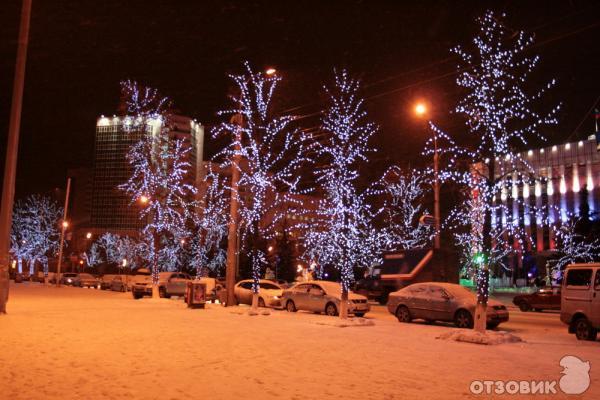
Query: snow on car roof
{"points": [[330, 287]]}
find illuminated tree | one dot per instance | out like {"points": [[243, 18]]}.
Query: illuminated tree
{"points": [[499, 114], [271, 153], [92, 256], [211, 226], [344, 235], [159, 171], [35, 232], [573, 247], [404, 196]]}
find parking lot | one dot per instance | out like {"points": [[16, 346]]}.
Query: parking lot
{"points": [[102, 344]]}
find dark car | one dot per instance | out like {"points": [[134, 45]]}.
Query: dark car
{"points": [[543, 299]]}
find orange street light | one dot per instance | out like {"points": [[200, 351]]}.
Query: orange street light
{"points": [[144, 199], [65, 224], [420, 109], [88, 235], [271, 71]]}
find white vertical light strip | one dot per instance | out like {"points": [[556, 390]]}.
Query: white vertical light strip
{"points": [[576, 186], [590, 186], [550, 192], [563, 197], [515, 203]]}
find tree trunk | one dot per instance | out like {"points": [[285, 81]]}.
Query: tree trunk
{"points": [[155, 270], [255, 302], [483, 273], [344, 303]]}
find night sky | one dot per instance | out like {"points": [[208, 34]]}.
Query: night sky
{"points": [[80, 50]]}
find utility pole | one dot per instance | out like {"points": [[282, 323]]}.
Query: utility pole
{"points": [[12, 149], [64, 226], [436, 192], [232, 236]]}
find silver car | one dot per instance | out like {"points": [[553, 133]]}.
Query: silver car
{"points": [[86, 280], [322, 296], [169, 284], [437, 301], [269, 294]]}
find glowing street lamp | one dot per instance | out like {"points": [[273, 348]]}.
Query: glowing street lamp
{"points": [[421, 111], [65, 224], [144, 199], [88, 235], [270, 71]]}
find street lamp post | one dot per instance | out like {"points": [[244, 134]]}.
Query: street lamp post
{"points": [[421, 111], [64, 226], [12, 149]]}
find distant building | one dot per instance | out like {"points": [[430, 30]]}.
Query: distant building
{"points": [[111, 210], [555, 182], [560, 174]]}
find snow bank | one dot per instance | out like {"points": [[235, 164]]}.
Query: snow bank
{"points": [[344, 323], [471, 336]]}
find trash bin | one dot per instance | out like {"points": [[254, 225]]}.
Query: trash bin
{"points": [[195, 294]]}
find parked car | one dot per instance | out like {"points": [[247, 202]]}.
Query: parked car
{"points": [[169, 284], [86, 280], [580, 300], [269, 294], [68, 278], [106, 280], [322, 296], [119, 283], [543, 299], [438, 301]]}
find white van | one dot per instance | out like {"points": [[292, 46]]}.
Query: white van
{"points": [[580, 300]]}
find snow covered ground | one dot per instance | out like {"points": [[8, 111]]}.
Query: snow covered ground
{"points": [[73, 343]]}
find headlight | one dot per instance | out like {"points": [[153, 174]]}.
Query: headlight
{"points": [[69, 280], [276, 297]]}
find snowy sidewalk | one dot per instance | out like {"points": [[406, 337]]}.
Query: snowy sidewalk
{"points": [[73, 343]]}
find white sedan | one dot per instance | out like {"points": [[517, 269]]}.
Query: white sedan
{"points": [[269, 294]]}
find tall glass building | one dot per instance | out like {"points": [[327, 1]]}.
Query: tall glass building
{"points": [[111, 209]]}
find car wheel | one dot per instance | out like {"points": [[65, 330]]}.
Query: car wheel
{"points": [[403, 314], [261, 302], [359, 314], [331, 310], [136, 295], [584, 330], [523, 306], [463, 319], [162, 292], [492, 325], [123, 289], [290, 306]]}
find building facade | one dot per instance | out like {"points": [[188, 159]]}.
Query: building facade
{"points": [[548, 189], [111, 208]]}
